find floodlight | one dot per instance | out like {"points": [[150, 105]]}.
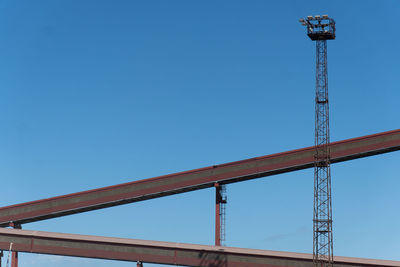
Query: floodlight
{"points": [[319, 27]]}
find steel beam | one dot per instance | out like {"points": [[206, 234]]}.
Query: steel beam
{"points": [[196, 179], [162, 252]]}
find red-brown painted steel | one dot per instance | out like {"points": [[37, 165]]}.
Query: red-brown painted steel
{"points": [[14, 254], [196, 179], [217, 215], [163, 252], [14, 260]]}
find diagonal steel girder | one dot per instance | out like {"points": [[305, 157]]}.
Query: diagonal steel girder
{"points": [[196, 179], [178, 254]]}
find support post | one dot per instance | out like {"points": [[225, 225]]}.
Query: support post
{"points": [[1, 257], [220, 210], [14, 255], [218, 199]]}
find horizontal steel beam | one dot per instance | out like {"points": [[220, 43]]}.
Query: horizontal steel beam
{"points": [[162, 252], [195, 179]]}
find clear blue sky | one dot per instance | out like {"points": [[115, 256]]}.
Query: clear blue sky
{"points": [[95, 93]]}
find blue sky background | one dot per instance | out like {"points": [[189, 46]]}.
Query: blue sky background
{"points": [[95, 93]]}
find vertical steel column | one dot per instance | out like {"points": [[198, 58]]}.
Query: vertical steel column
{"points": [[14, 255], [220, 202], [322, 221], [217, 214], [14, 259], [1, 257]]}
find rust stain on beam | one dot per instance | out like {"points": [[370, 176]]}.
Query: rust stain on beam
{"points": [[162, 252], [196, 179]]}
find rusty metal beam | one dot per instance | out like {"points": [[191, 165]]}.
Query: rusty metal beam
{"points": [[196, 179], [162, 252]]}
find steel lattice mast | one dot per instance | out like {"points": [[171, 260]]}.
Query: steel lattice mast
{"points": [[321, 29]]}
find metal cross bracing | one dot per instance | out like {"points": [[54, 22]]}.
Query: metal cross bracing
{"points": [[321, 29], [322, 222]]}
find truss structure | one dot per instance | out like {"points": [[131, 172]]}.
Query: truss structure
{"points": [[321, 29]]}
